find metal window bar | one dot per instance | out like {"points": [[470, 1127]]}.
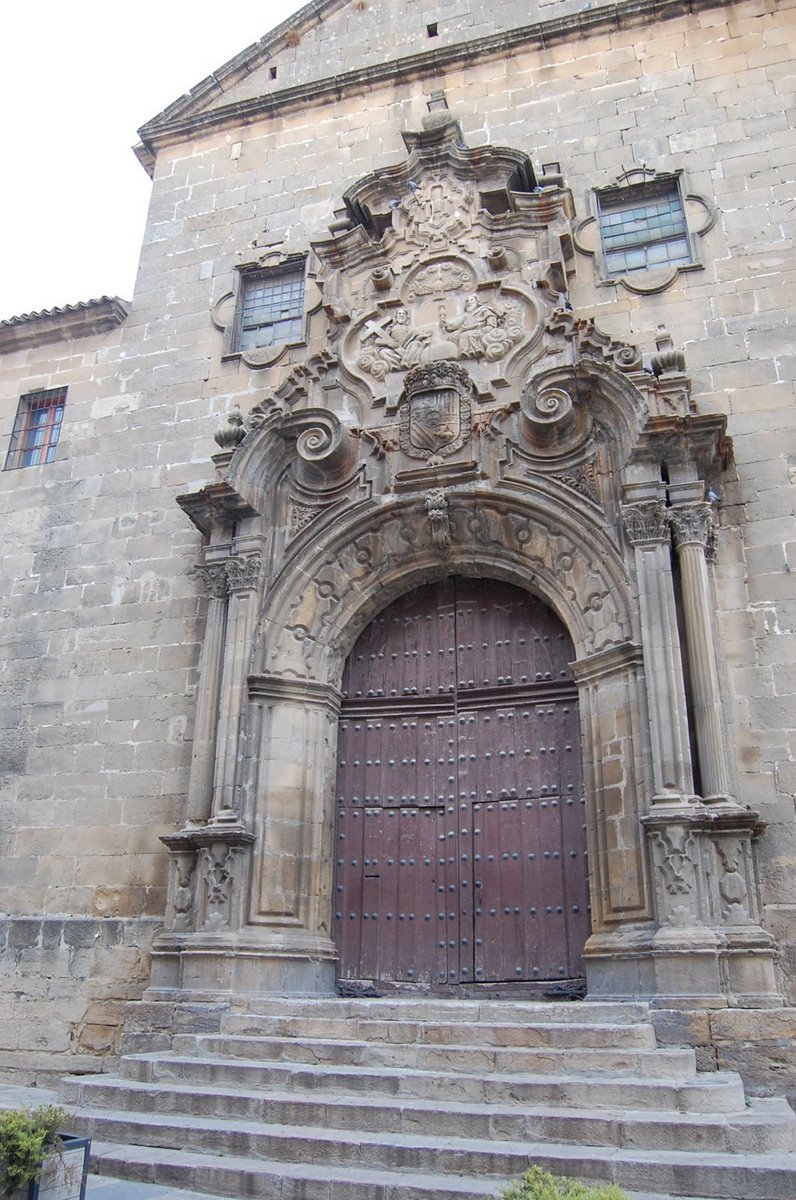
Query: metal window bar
{"points": [[272, 309], [36, 429]]}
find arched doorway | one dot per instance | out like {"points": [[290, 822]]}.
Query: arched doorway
{"points": [[460, 838]]}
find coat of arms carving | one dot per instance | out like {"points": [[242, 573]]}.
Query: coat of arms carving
{"points": [[435, 413]]}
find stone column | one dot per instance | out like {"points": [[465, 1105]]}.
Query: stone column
{"points": [[692, 527], [200, 786], [243, 574], [647, 530]]}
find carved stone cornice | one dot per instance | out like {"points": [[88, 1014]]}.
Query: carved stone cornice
{"points": [[214, 578], [698, 441], [217, 506], [615, 660], [645, 522], [244, 572], [191, 840], [691, 524]]}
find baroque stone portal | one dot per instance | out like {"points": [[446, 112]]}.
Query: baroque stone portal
{"points": [[456, 418]]}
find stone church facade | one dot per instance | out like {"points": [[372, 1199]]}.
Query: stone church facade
{"points": [[398, 592]]}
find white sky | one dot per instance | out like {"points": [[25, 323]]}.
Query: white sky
{"points": [[77, 79]]}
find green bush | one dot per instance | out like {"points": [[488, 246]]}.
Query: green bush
{"points": [[537, 1184], [26, 1136]]}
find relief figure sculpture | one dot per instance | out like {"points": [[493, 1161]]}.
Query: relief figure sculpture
{"points": [[484, 330], [395, 345]]}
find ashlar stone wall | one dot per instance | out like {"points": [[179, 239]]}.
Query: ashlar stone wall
{"points": [[99, 641]]}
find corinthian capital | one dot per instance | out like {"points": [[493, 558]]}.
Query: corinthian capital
{"points": [[214, 578], [645, 521], [691, 523], [243, 573]]}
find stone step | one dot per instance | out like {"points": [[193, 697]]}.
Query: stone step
{"points": [[398, 1008], [662, 1063], [766, 1126], [395, 1031], [712, 1093], [418, 1168], [243, 1177]]}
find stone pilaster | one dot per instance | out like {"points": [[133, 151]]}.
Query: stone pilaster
{"points": [[243, 575], [200, 787], [647, 530], [692, 525], [295, 724]]}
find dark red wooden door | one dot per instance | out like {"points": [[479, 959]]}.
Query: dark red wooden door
{"points": [[460, 841]]}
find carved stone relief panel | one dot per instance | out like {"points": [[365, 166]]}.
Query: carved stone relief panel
{"points": [[455, 321]]}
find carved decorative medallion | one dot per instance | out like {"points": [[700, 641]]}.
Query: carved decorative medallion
{"points": [[440, 277], [436, 412]]}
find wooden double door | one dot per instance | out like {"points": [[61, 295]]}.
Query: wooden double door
{"points": [[460, 826]]}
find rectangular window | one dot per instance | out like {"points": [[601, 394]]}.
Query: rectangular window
{"points": [[271, 308], [643, 226], [36, 429]]}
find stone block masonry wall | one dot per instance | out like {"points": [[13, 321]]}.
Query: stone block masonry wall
{"points": [[103, 614], [98, 648], [65, 984]]}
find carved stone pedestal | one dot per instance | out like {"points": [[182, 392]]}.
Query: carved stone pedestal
{"points": [[709, 950]]}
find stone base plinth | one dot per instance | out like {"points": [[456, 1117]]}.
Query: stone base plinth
{"points": [[207, 967]]}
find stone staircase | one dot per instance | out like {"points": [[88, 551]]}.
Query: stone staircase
{"points": [[407, 1099]]}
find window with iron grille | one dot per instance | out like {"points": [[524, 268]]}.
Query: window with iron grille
{"points": [[643, 226], [36, 429], [271, 308]]}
